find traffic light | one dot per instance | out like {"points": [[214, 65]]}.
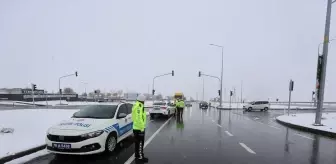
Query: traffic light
{"points": [[199, 73], [153, 92], [313, 92], [277, 100], [33, 87], [231, 93], [291, 85], [219, 92], [76, 74], [172, 72]]}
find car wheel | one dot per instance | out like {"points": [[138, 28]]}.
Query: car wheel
{"points": [[168, 114], [249, 109], [152, 116], [266, 109], [111, 143]]}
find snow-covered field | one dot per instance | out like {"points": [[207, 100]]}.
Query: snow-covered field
{"points": [[307, 120], [30, 127]]}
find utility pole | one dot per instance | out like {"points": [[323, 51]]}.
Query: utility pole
{"points": [[203, 91], [241, 91], [322, 67]]}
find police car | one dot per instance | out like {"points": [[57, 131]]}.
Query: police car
{"points": [[162, 108], [93, 129]]}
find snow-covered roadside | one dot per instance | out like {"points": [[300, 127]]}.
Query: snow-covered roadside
{"points": [[306, 120], [30, 127], [29, 157]]}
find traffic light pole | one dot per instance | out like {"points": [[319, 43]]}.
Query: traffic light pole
{"points": [[220, 87], [153, 91], [59, 84], [33, 94]]}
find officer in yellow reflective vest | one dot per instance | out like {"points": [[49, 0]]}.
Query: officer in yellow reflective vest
{"points": [[139, 125], [179, 107]]}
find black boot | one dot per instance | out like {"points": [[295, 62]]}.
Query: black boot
{"points": [[143, 159]]}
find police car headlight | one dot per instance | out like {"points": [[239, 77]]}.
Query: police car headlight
{"points": [[92, 134]]}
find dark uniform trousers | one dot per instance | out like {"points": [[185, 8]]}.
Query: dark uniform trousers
{"points": [[139, 143]]}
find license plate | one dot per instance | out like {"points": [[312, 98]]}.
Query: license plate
{"points": [[61, 146], [156, 108]]}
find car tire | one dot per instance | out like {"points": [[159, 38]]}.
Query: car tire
{"points": [[249, 109], [151, 116], [266, 109], [111, 143]]}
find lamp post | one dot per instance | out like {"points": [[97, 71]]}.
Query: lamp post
{"points": [[221, 85], [59, 84], [322, 66]]}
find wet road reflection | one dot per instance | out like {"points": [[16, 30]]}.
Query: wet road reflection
{"points": [[219, 136]]}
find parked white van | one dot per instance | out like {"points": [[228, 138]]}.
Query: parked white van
{"points": [[257, 105]]}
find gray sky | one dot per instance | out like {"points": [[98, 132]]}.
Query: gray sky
{"points": [[124, 44]]}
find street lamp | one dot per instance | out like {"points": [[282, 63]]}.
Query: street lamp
{"points": [[322, 67], [59, 84], [85, 90], [221, 85], [153, 91], [319, 57]]}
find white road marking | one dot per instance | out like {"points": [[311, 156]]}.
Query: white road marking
{"points": [[131, 159], [305, 136], [247, 148], [268, 125], [219, 125], [228, 133], [274, 127]]}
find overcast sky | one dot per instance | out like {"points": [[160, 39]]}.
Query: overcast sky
{"points": [[124, 44]]}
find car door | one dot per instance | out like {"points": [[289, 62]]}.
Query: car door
{"points": [[129, 112], [256, 105], [123, 121]]}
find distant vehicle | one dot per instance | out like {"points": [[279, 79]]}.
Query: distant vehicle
{"points": [[257, 105], [162, 108], [93, 129], [203, 105], [188, 104]]}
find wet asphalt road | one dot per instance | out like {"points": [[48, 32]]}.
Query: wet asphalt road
{"points": [[217, 137]]}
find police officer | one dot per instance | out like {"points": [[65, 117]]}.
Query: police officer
{"points": [[139, 124], [180, 106]]}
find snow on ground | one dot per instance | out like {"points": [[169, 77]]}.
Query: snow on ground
{"points": [[30, 127], [307, 120], [29, 157]]}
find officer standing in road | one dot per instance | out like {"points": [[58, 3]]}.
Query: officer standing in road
{"points": [[139, 124], [179, 107]]}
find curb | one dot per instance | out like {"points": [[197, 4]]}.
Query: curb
{"points": [[306, 129], [21, 154]]}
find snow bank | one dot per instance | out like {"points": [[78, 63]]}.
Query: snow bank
{"points": [[30, 127], [307, 119]]}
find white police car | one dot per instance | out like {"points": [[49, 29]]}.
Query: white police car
{"points": [[93, 129]]}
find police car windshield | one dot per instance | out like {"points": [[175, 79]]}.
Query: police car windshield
{"points": [[96, 111]]}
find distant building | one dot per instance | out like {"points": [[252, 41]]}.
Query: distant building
{"points": [[130, 96], [20, 94]]}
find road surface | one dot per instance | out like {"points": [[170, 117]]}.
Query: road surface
{"points": [[217, 137]]}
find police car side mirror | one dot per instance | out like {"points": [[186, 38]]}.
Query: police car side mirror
{"points": [[121, 115]]}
